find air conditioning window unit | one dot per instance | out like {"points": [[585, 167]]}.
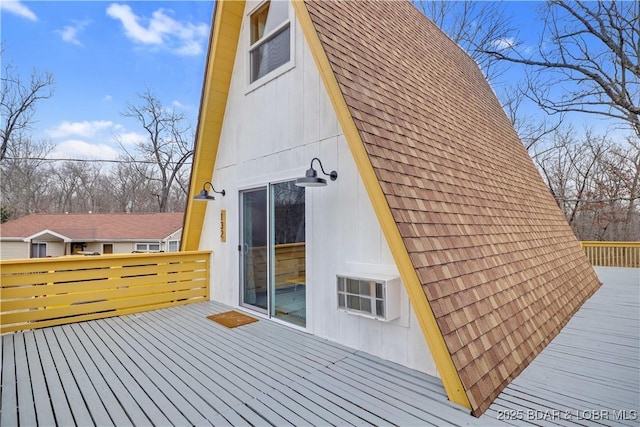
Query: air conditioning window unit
{"points": [[376, 297]]}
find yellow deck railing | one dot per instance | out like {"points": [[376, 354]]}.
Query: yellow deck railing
{"points": [[44, 292], [613, 254]]}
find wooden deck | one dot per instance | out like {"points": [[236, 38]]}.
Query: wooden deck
{"points": [[176, 367]]}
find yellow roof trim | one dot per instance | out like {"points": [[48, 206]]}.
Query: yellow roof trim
{"points": [[220, 61], [424, 313]]}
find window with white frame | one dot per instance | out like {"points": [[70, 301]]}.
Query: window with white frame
{"points": [[270, 38], [38, 250], [147, 247], [174, 246]]}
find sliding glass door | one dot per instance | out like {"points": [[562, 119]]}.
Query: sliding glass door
{"points": [[254, 250], [273, 252]]}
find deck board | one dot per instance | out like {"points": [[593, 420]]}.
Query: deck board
{"points": [[168, 375], [44, 412], [159, 388], [103, 392], [239, 356], [25, 396], [72, 393], [105, 370], [84, 384], [207, 376], [176, 367], [203, 352], [61, 409], [9, 414], [322, 403], [136, 387]]}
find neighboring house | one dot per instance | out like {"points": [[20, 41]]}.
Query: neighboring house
{"points": [[51, 235], [438, 246]]}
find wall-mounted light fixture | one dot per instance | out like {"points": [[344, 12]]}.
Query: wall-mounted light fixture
{"points": [[204, 194], [311, 178]]}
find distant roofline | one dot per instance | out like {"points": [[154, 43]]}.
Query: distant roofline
{"points": [[48, 231]]}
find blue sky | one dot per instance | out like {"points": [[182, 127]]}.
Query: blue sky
{"points": [[102, 54]]}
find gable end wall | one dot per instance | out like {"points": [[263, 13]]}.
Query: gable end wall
{"points": [[271, 134]]}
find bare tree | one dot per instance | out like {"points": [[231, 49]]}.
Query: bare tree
{"points": [[130, 187], [78, 188], [532, 129], [169, 144], [624, 165], [18, 103], [25, 184], [475, 26], [595, 183], [591, 49]]}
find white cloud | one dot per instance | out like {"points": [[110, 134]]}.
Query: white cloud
{"points": [[132, 28], [504, 43], [189, 48], [70, 32], [85, 128], [129, 138], [18, 8], [107, 98], [178, 104], [161, 30], [77, 149]]}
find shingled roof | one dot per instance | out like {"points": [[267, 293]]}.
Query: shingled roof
{"points": [[496, 259], [96, 226], [490, 264]]}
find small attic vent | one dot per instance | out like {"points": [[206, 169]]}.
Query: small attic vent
{"points": [[373, 297]]}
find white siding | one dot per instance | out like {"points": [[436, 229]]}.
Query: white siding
{"points": [[94, 247], [14, 250], [55, 249], [271, 134], [118, 247], [123, 247]]}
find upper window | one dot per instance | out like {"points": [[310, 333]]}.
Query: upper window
{"points": [[270, 38], [174, 246]]}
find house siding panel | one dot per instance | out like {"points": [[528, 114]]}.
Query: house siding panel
{"points": [[55, 249], [14, 250]]}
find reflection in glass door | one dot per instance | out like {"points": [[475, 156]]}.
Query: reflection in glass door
{"points": [[288, 253], [253, 249], [273, 251]]}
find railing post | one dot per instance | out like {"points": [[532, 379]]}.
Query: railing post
{"points": [[612, 254]]}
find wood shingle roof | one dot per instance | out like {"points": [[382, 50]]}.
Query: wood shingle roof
{"points": [[496, 260]]}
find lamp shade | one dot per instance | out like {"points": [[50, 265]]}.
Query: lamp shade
{"points": [[204, 195], [311, 178], [311, 182]]}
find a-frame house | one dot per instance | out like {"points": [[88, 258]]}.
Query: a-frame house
{"points": [[438, 246]]}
